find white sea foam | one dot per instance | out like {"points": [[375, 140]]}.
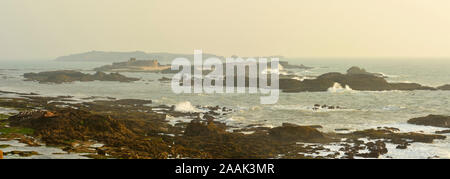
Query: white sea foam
{"points": [[298, 78], [44, 151], [389, 76], [337, 88], [280, 70], [185, 106]]}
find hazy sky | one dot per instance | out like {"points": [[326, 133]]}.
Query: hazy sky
{"points": [[295, 28]]}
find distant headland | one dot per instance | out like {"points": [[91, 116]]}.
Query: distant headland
{"points": [[163, 57]]}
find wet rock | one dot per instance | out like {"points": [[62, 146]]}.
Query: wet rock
{"points": [[315, 126], [432, 120], [208, 117], [29, 141], [100, 151], [394, 137], [393, 129], [132, 102]]}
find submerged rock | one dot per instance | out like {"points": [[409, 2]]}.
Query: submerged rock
{"points": [[432, 120], [66, 76]]}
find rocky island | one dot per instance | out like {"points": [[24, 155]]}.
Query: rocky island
{"points": [[66, 76], [134, 65], [354, 70], [432, 120], [444, 87], [355, 78]]}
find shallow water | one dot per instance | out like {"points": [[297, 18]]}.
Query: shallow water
{"points": [[44, 151]]}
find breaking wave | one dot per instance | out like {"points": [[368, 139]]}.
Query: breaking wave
{"points": [[185, 106], [337, 88]]}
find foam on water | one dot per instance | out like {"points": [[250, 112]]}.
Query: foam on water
{"points": [[337, 88], [361, 109], [185, 106]]}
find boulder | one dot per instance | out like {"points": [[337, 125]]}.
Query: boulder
{"points": [[295, 133]]}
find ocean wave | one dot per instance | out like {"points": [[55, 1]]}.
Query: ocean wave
{"points": [[298, 78], [280, 71], [185, 106], [337, 88]]}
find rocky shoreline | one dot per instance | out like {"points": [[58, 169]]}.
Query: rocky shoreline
{"points": [[137, 129]]}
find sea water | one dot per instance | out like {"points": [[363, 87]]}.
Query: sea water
{"points": [[357, 109]]}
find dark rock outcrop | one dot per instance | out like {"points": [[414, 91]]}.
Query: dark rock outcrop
{"points": [[66, 76], [286, 65], [444, 87], [361, 71], [361, 82], [129, 129], [432, 120], [290, 132]]}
